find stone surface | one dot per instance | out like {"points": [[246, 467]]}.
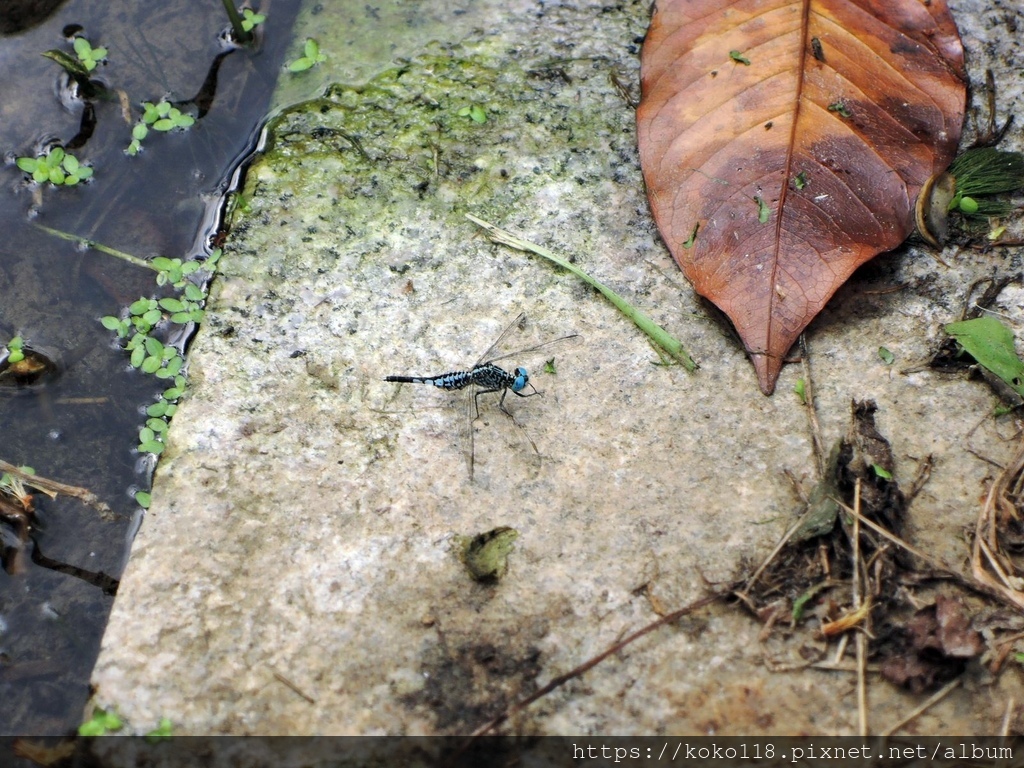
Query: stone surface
{"points": [[299, 570]]}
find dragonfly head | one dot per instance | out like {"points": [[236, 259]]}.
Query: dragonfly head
{"points": [[522, 378]]}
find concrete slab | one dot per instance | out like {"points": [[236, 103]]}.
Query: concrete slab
{"points": [[299, 572]]}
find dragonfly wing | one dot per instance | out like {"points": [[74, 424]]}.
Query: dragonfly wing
{"points": [[520, 319]]}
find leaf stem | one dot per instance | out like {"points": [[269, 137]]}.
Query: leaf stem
{"points": [[657, 334], [84, 241], [241, 35]]}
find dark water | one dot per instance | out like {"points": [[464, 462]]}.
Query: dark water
{"points": [[81, 426]]}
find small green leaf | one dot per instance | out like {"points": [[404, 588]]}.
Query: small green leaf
{"points": [[300, 65], [693, 237], [91, 728], [154, 347], [800, 388], [764, 213], [151, 364], [172, 304], [882, 472], [840, 108], [110, 322], [172, 394], [141, 306], [311, 49], [15, 356], [194, 293], [739, 58], [800, 180], [991, 343], [159, 426], [27, 164], [165, 730], [151, 446], [800, 603], [143, 499], [138, 356], [887, 356]]}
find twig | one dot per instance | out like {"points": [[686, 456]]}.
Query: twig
{"points": [[593, 662], [812, 413], [986, 537], [43, 484], [1007, 718], [658, 335], [862, 687], [932, 701], [289, 684], [983, 584]]}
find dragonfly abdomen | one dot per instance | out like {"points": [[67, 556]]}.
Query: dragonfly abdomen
{"points": [[449, 381]]}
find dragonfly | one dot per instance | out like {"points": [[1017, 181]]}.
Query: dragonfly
{"points": [[488, 378]]}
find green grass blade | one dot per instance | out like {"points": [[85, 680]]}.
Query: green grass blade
{"points": [[657, 334]]}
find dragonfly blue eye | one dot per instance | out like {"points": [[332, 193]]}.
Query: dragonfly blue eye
{"points": [[521, 379]]}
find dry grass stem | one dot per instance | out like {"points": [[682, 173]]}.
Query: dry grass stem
{"points": [[931, 702]]}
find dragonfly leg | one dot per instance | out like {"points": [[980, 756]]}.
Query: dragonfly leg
{"points": [[476, 399]]}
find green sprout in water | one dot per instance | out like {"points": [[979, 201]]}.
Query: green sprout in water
{"points": [[162, 116], [15, 350], [56, 166], [251, 19], [88, 55], [150, 355], [100, 723], [476, 113], [311, 57]]}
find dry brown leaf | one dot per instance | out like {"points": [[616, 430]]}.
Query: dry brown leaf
{"points": [[784, 144]]}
